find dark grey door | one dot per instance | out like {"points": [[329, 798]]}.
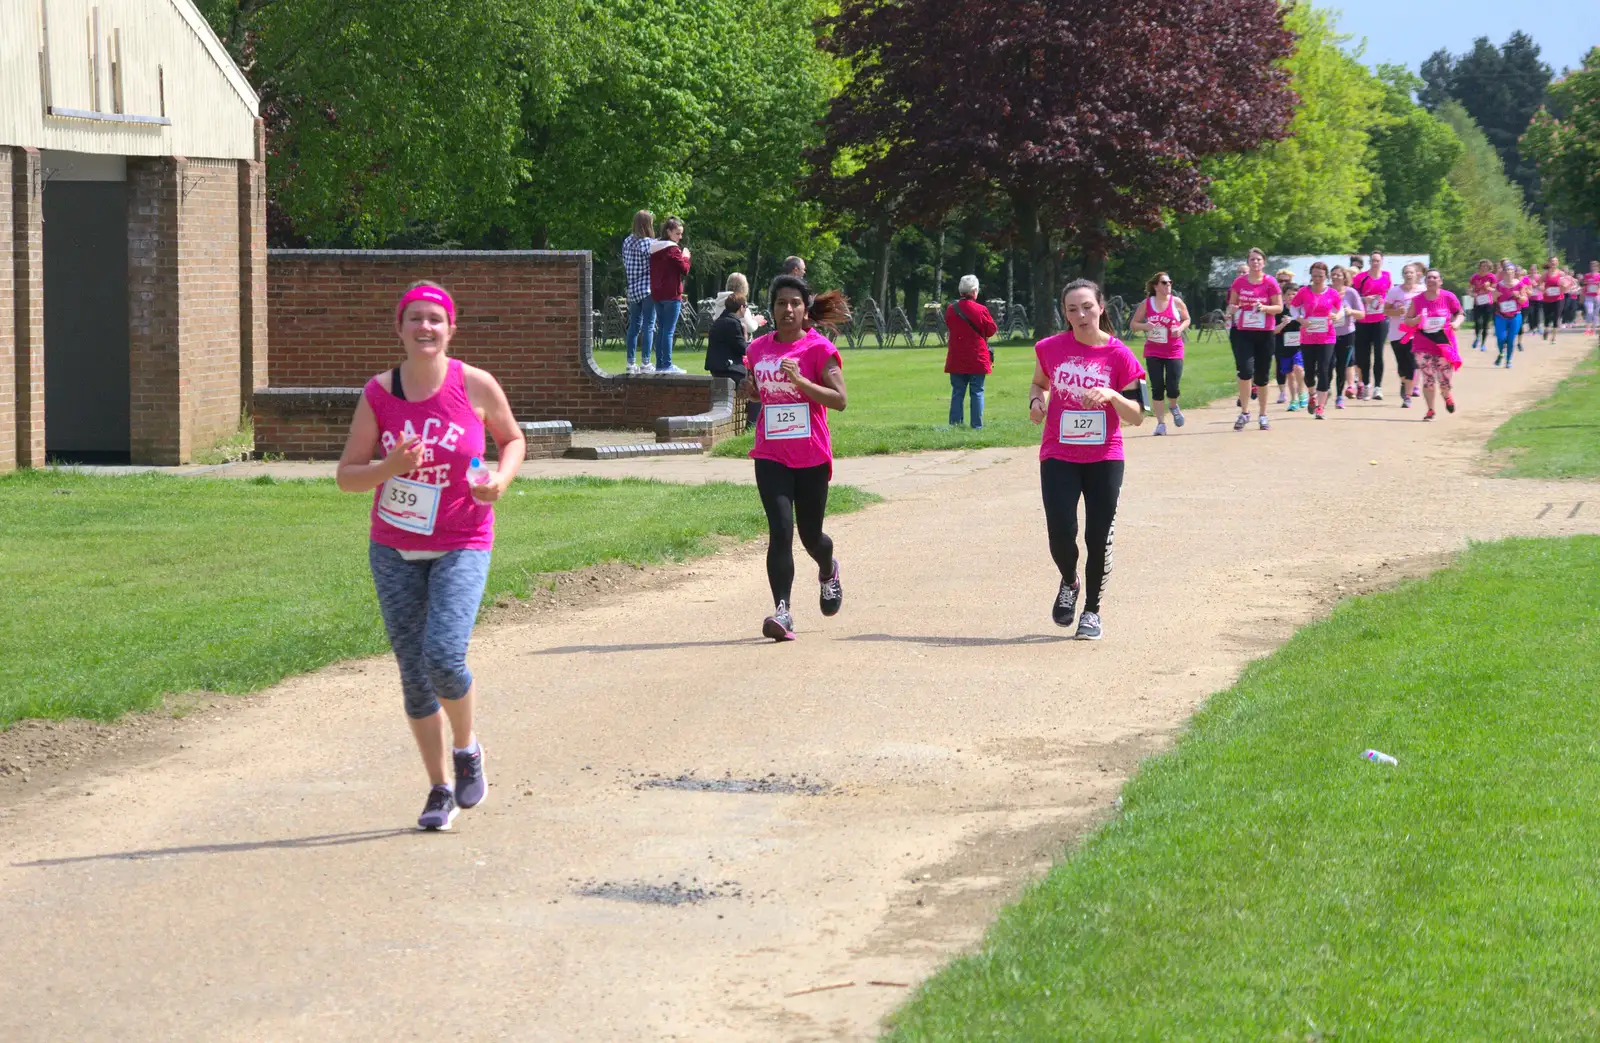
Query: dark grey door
{"points": [[86, 321]]}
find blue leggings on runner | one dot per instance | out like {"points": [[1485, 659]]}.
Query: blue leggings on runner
{"points": [[1506, 328], [428, 609]]}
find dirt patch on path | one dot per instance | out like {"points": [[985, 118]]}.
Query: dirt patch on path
{"points": [[963, 742]]}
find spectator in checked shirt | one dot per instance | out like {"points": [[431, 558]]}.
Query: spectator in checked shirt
{"points": [[641, 309]]}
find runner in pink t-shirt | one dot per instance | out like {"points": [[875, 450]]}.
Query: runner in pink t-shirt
{"points": [[1372, 331], [1434, 316], [1254, 301], [417, 443], [1482, 285], [1550, 285], [1077, 395], [1510, 298], [1319, 307], [797, 374], [1591, 297], [1162, 317]]}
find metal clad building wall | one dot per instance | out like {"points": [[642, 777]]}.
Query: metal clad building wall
{"points": [[167, 50]]}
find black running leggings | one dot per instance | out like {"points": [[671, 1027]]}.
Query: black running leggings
{"points": [[1165, 375], [1404, 361], [793, 497], [1482, 322], [1252, 355], [1370, 338], [1343, 352], [1098, 484], [1319, 365]]}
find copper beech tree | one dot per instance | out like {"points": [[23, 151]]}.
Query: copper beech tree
{"points": [[1090, 116]]}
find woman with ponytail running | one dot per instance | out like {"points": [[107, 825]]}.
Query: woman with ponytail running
{"points": [[1482, 284], [1254, 301], [1434, 315], [417, 440], [1077, 395], [1511, 297], [797, 375], [1162, 318], [1397, 305]]}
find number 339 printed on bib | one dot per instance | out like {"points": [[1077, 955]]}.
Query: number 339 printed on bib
{"points": [[786, 420], [408, 505]]}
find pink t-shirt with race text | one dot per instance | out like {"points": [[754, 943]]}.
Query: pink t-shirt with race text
{"points": [[764, 360], [1483, 283], [1552, 287], [1073, 431], [1591, 284], [1254, 295], [1374, 290], [1312, 306]]}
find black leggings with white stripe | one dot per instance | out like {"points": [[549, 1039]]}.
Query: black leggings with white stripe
{"points": [[1098, 485]]}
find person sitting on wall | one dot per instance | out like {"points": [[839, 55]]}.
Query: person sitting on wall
{"points": [[726, 344]]}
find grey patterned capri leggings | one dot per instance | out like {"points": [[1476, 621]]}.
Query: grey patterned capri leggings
{"points": [[428, 609]]}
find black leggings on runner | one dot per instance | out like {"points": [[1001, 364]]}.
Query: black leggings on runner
{"points": [[1098, 484], [793, 497], [1252, 356], [1319, 365], [1552, 315], [1404, 361], [1370, 337], [1343, 354], [1164, 377], [1482, 322]]}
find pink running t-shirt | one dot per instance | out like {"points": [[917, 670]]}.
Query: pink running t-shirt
{"points": [[1316, 311], [791, 429], [1552, 287], [1591, 284], [1074, 432], [1483, 285], [1252, 296], [1168, 318], [431, 509], [1433, 316]]}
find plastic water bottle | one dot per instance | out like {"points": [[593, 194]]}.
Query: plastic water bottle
{"points": [[477, 474], [1378, 757]]}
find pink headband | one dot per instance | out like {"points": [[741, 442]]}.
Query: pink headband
{"points": [[433, 295]]}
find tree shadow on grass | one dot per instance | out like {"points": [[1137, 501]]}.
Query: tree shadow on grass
{"points": [[291, 843]]}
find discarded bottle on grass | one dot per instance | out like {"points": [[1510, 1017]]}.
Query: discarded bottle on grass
{"points": [[477, 474], [1378, 757]]}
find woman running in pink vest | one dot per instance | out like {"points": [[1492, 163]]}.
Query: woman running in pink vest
{"points": [[417, 442], [1162, 318]]}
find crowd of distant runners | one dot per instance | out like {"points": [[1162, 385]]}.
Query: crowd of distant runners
{"points": [[419, 437]]}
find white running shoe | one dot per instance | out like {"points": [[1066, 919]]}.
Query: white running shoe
{"points": [[1161, 427], [1377, 394]]}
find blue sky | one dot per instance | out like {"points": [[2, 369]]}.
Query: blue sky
{"points": [[1407, 31]]}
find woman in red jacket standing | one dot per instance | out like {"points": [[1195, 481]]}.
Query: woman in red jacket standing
{"points": [[969, 359], [669, 263]]}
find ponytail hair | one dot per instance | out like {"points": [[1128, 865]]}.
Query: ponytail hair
{"points": [[1099, 298], [827, 309]]}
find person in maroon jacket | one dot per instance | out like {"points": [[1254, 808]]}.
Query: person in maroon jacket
{"points": [[970, 359], [669, 263]]}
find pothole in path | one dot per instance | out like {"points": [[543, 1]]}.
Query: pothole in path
{"points": [[773, 783], [673, 893]]}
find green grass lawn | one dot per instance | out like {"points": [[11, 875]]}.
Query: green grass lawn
{"points": [[1560, 438], [122, 589], [1263, 882], [900, 397]]}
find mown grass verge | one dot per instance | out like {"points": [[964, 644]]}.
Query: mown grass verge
{"points": [[119, 590], [1560, 437], [1263, 882], [900, 398]]}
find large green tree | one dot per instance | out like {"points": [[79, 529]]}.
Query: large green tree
{"points": [[1497, 223], [1414, 207], [1501, 88], [1564, 140]]}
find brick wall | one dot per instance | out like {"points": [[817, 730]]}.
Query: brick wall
{"points": [[522, 315], [27, 291], [303, 423], [208, 298], [157, 434], [8, 320]]}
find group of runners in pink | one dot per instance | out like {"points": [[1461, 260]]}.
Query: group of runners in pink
{"points": [[420, 432]]}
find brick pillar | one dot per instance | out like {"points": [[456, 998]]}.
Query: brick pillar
{"points": [[253, 272], [157, 410], [27, 255], [8, 324]]}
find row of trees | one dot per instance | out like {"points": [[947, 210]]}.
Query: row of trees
{"points": [[1023, 139]]}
